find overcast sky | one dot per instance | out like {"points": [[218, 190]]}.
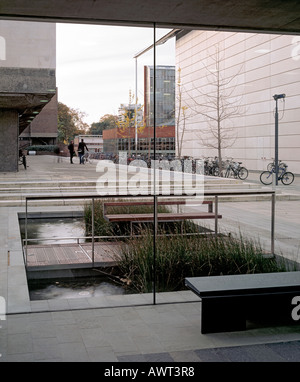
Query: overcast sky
{"points": [[95, 68]]}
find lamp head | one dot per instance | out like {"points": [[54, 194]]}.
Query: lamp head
{"points": [[278, 96]]}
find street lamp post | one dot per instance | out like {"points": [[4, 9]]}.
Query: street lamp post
{"points": [[135, 110], [276, 98]]}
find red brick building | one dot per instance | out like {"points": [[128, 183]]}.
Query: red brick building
{"points": [[117, 139]]}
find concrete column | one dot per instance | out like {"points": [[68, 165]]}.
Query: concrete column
{"points": [[9, 146]]}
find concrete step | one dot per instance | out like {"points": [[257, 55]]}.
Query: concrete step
{"points": [[13, 194], [54, 186], [20, 200], [22, 184], [74, 186]]}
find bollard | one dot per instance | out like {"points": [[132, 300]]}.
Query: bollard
{"points": [[274, 180]]}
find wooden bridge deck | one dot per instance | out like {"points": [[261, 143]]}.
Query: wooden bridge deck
{"points": [[72, 254]]}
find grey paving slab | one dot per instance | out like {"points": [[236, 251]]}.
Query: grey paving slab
{"points": [[290, 351], [184, 356], [263, 353]]}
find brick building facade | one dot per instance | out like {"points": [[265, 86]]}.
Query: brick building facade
{"points": [[115, 140]]}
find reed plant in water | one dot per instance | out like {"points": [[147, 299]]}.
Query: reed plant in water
{"points": [[182, 249], [180, 256]]}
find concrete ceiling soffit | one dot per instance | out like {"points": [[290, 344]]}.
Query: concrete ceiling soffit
{"points": [[27, 105], [277, 16], [34, 106]]}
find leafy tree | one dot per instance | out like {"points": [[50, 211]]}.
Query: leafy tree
{"points": [[108, 121], [181, 115], [129, 120], [70, 123]]}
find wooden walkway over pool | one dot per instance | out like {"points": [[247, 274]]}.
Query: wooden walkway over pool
{"points": [[55, 255]]}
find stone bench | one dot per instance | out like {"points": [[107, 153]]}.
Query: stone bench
{"points": [[227, 302]]}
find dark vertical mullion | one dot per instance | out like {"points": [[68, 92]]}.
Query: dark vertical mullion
{"points": [[154, 175]]}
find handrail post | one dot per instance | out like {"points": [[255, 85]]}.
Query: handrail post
{"points": [[93, 232], [26, 232], [273, 224], [216, 215]]}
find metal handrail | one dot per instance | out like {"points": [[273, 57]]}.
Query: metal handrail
{"points": [[215, 194]]}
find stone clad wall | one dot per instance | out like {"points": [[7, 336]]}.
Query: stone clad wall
{"points": [[260, 66]]}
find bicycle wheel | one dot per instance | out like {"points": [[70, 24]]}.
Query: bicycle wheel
{"points": [[287, 178], [270, 166], [266, 177], [243, 173]]}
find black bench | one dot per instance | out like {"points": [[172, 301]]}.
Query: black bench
{"points": [[229, 301]]}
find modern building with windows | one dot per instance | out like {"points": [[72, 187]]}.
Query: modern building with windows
{"points": [[234, 76], [165, 95], [139, 139], [94, 143], [131, 112], [117, 139]]}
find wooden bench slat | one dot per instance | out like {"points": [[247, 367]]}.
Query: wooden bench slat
{"points": [[172, 202], [149, 217], [161, 216]]}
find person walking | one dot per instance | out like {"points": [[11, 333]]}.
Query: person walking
{"points": [[81, 147], [71, 150]]}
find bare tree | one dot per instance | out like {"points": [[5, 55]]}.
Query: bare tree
{"points": [[181, 115], [218, 104]]}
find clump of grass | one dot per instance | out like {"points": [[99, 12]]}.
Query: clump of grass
{"points": [[188, 256], [101, 226]]}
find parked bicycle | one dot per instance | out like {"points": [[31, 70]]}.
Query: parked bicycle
{"points": [[211, 166], [235, 169], [86, 158], [271, 165], [286, 177]]}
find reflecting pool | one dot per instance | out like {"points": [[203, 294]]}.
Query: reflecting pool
{"points": [[74, 288], [50, 230]]}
